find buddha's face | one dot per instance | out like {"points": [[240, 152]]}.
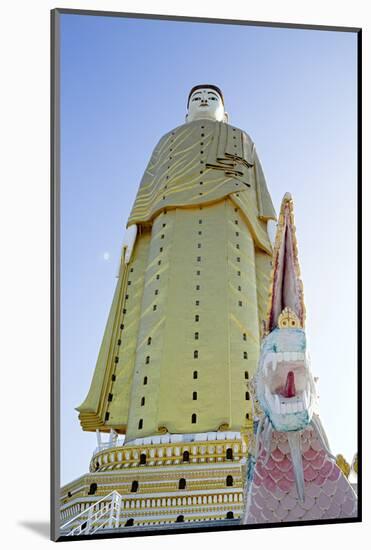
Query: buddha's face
{"points": [[206, 103]]}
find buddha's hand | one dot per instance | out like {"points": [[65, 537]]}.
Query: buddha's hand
{"points": [[129, 241]]}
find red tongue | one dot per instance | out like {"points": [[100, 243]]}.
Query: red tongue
{"points": [[289, 389]]}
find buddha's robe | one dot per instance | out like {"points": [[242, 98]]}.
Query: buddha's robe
{"points": [[183, 333]]}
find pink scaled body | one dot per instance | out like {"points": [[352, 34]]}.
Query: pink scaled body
{"points": [[272, 496]]}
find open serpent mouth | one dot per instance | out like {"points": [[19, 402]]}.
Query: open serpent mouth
{"points": [[286, 378]]}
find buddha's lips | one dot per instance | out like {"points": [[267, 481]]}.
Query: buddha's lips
{"points": [[289, 388]]}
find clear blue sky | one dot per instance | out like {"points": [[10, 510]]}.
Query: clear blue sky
{"points": [[124, 83]]}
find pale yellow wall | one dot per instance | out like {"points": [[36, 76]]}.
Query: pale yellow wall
{"points": [[220, 366]]}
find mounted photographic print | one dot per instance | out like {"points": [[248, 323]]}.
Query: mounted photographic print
{"points": [[205, 193]]}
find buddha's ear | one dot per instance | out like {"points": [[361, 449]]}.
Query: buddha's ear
{"points": [[186, 117], [226, 117]]}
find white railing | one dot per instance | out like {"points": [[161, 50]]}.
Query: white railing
{"points": [[103, 512], [107, 445]]}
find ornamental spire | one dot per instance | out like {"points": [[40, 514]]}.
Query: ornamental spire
{"points": [[286, 307]]}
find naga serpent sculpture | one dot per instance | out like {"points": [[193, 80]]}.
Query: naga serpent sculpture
{"points": [[291, 474]]}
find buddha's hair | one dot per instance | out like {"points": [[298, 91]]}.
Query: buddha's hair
{"points": [[201, 86]]}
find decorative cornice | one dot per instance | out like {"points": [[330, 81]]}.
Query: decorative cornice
{"points": [[129, 456]]}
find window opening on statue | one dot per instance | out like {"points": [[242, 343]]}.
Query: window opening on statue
{"points": [[195, 354], [182, 483], [149, 341], [197, 318], [186, 456], [147, 359], [93, 489], [145, 380], [140, 425], [194, 418], [195, 375], [194, 396], [230, 515], [180, 519], [229, 481], [129, 522], [143, 458], [110, 397], [134, 486], [229, 454], [247, 396], [245, 356], [142, 401]]}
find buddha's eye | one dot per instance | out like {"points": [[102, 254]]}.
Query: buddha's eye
{"points": [[196, 99], [213, 98]]}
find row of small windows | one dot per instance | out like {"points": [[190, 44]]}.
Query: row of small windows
{"points": [[182, 483], [140, 423], [186, 458], [180, 519], [201, 162], [194, 394], [143, 400], [195, 376]]}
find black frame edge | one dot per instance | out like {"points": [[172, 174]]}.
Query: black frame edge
{"points": [[55, 274]]}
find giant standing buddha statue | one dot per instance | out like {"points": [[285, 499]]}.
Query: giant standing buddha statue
{"points": [[182, 338]]}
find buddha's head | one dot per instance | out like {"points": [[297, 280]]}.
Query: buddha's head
{"points": [[206, 101]]}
